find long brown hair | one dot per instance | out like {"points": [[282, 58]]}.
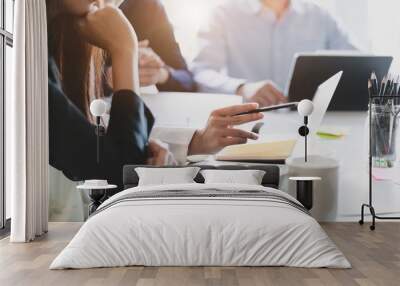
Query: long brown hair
{"points": [[80, 64]]}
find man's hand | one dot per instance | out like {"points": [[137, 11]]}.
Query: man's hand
{"points": [[159, 154], [152, 69], [220, 131], [265, 93]]}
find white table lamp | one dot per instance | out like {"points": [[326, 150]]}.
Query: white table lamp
{"points": [[305, 109], [98, 109]]}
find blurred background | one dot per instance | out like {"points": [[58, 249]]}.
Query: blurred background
{"points": [[374, 24]]}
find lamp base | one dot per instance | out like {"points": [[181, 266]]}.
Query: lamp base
{"points": [[97, 197]]}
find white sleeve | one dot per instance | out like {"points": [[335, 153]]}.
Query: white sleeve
{"points": [[210, 61], [178, 140]]}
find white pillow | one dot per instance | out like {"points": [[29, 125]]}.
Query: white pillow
{"points": [[244, 177], [166, 176]]}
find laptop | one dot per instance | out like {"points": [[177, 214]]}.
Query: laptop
{"points": [[309, 70], [277, 152]]}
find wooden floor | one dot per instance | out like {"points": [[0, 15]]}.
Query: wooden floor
{"points": [[375, 257]]}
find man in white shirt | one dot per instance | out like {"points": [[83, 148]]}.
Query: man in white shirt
{"points": [[248, 46]]}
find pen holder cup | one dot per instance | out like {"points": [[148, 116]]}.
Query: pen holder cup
{"points": [[384, 133]]}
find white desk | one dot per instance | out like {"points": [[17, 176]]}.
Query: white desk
{"points": [[351, 151], [191, 110]]}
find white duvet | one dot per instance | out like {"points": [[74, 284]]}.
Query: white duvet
{"points": [[200, 232]]}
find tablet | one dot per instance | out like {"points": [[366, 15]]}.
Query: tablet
{"points": [[310, 70]]}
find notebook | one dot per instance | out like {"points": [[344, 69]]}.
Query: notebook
{"points": [[269, 151]]}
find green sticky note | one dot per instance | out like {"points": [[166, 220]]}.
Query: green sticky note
{"points": [[326, 135]]}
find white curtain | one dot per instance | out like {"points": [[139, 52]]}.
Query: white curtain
{"points": [[27, 121]]}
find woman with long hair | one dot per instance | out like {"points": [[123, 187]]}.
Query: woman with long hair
{"points": [[80, 33]]}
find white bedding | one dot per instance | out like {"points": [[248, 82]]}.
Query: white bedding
{"points": [[205, 231]]}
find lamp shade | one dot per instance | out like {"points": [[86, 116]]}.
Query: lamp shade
{"points": [[305, 107], [97, 107]]}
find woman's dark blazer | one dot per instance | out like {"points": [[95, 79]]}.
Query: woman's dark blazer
{"points": [[72, 137]]}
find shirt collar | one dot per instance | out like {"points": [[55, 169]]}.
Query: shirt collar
{"points": [[256, 7]]}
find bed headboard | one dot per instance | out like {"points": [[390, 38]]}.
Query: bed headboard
{"points": [[271, 178]]}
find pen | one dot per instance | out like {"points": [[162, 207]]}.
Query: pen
{"points": [[398, 91], [270, 108], [394, 88]]}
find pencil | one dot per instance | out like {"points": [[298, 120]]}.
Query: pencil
{"points": [[394, 87], [370, 88], [374, 81], [382, 88], [388, 85]]}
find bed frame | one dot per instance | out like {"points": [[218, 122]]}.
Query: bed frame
{"points": [[271, 178]]}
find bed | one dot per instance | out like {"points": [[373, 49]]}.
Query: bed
{"points": [[201, 224]]}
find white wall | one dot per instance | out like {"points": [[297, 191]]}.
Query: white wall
{"points": [[187, 17], [354, 17], [384, 28]]}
